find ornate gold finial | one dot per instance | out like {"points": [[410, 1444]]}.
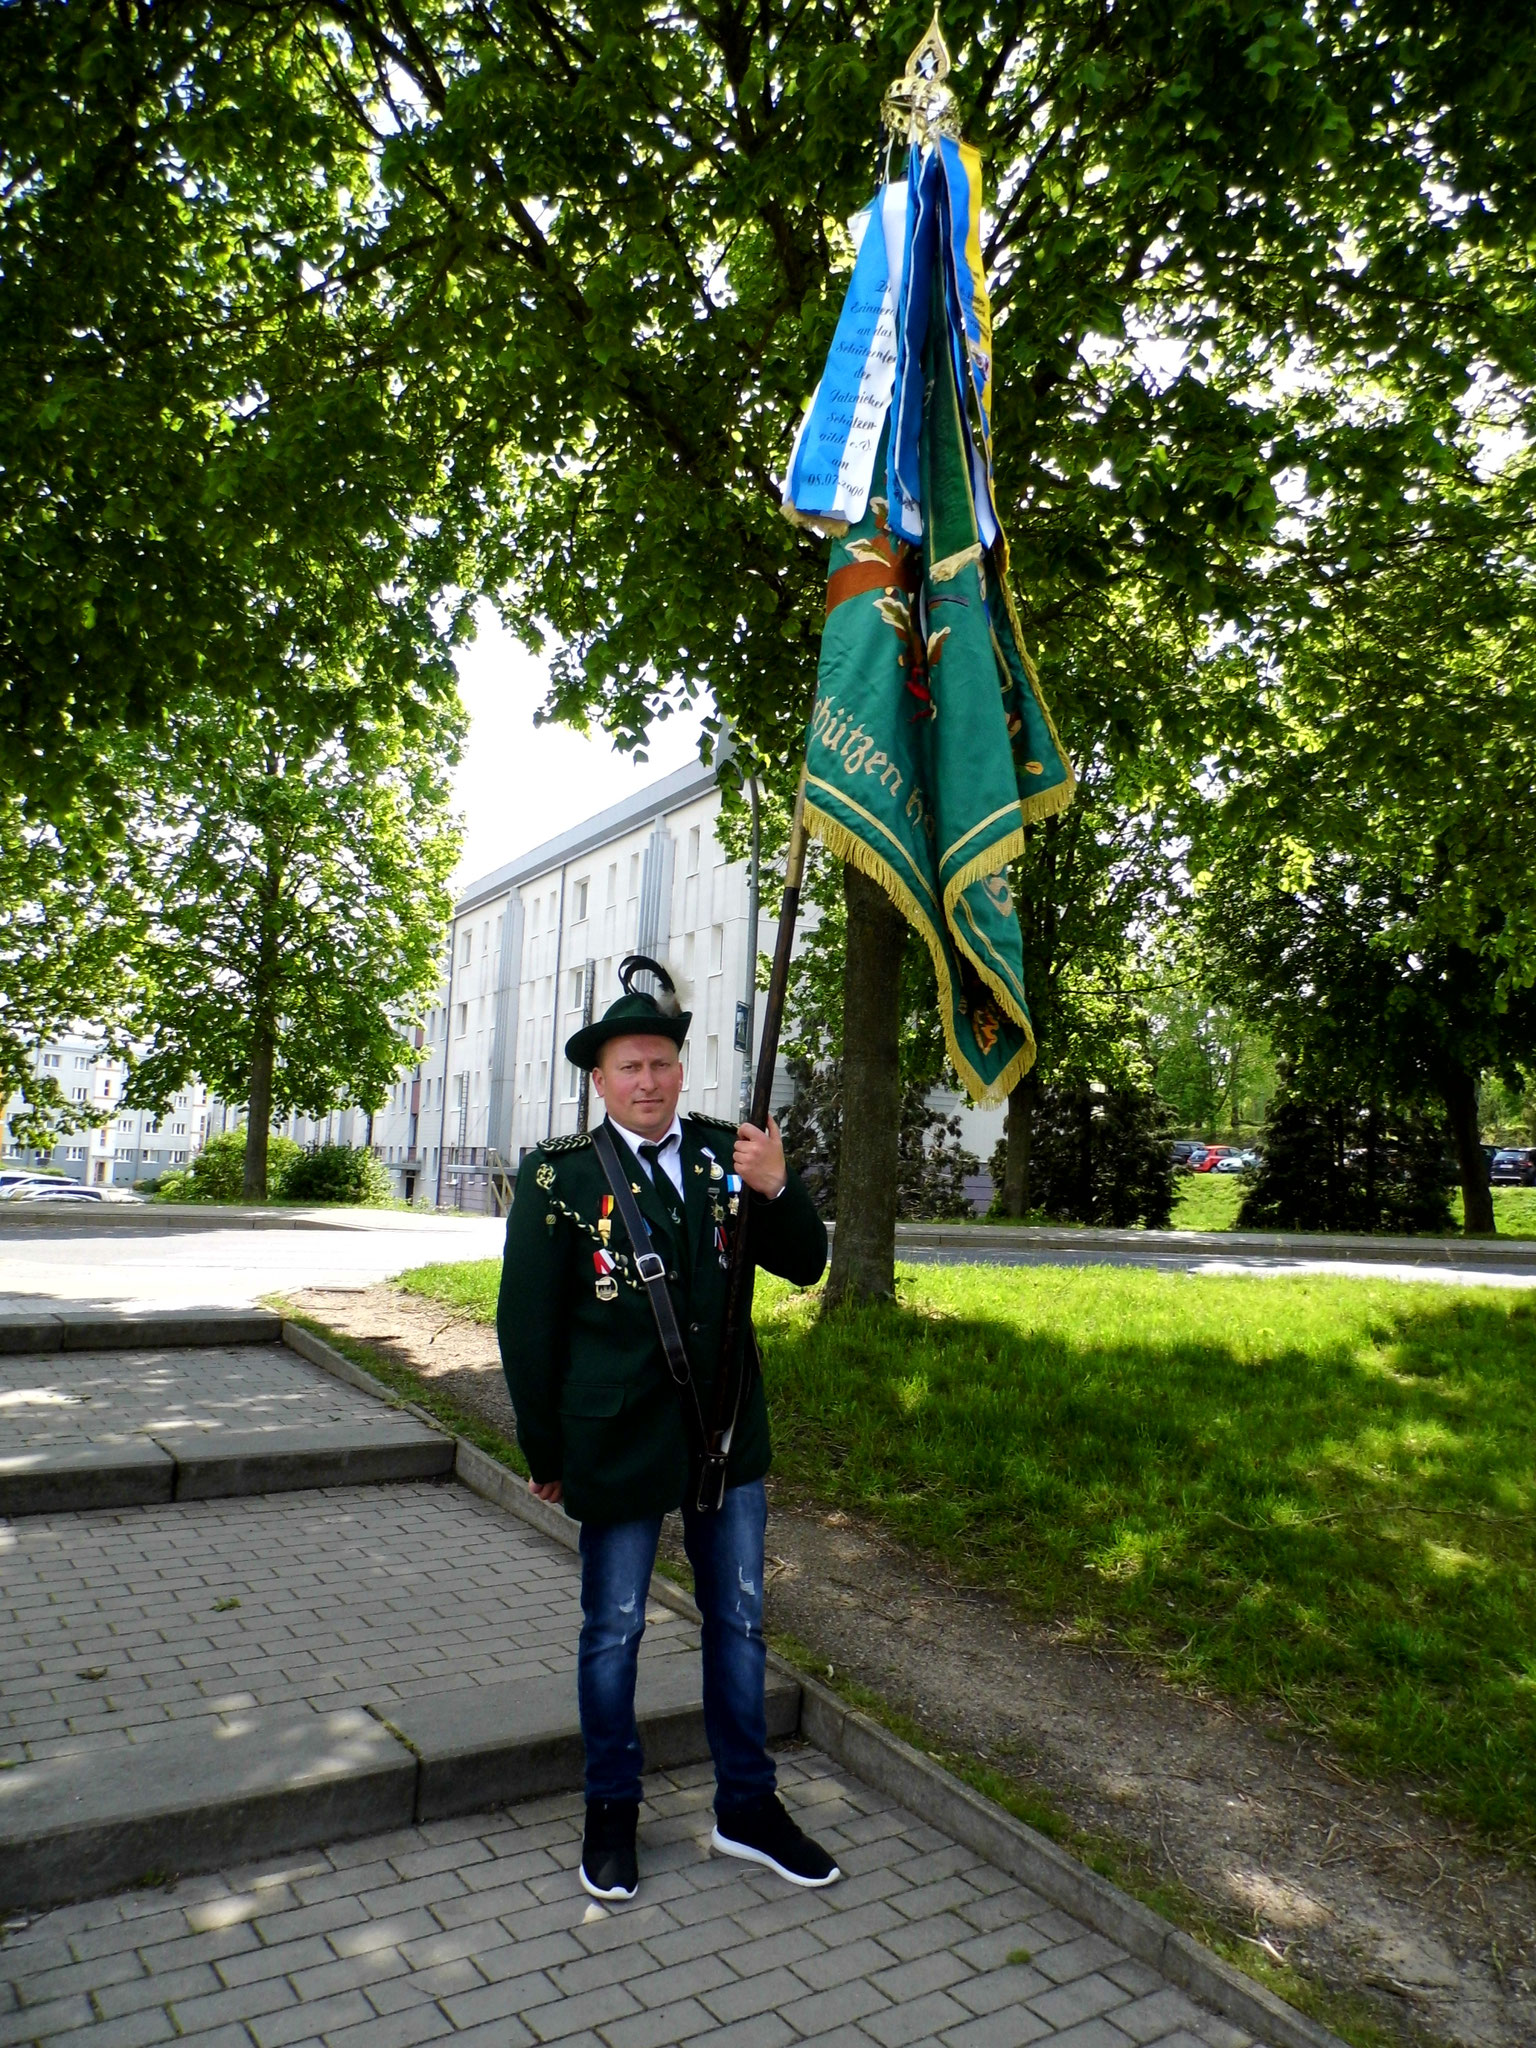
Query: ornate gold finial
{"points": [[919, 106]]}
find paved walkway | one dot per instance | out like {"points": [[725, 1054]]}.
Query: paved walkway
{"points": [[126, 1632], [475, 1930]]}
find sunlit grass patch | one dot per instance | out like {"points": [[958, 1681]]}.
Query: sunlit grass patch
{"points": [[1318, 1491]]}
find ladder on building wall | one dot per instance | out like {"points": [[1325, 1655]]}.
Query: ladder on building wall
{"points": [[500, 1179]]}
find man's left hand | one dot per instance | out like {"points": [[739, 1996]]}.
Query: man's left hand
{"points": [[760, 1159]]}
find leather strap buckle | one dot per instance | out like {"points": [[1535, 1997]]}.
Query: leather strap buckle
{"points": [[651, 1267], [712, 1482]]}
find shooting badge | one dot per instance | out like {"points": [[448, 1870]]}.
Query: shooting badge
{"points": [[607, 1286]]}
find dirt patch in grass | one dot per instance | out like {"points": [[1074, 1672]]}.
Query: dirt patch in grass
{"points": [[1239, 1825]]}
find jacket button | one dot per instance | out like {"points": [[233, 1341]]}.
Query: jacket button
{"points": [[694, 1329]]}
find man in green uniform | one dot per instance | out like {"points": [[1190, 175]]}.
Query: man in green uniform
{"points": [[604, 1431]]}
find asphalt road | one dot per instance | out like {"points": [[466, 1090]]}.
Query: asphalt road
{"points": [[138, 1261]]}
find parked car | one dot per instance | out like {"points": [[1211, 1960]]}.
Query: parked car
{"points": [[55, 1191], [1513, 1167], [1182, 1149], [1233, 1162], [13, 1185], [1210, 1154]]}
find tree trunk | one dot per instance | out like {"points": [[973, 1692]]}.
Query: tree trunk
{"points": [[864, 1247], [258, 1117], [1020, 1140], [1458, 1091]]}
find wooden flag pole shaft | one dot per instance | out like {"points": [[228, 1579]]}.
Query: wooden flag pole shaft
{"points": [[778, 981], [731, 1377]]}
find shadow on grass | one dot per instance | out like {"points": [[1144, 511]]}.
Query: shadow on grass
{"points": [[1317, 1496]]}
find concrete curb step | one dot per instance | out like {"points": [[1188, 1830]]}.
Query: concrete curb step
{"points": [[217, 1464], [209, 1793], [91, 1330]]}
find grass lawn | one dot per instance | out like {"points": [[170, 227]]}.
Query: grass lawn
{"points": [[1316, 1492], [1209, 1201]]}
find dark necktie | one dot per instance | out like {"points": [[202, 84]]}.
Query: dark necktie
{"points": [[661, 1180]]}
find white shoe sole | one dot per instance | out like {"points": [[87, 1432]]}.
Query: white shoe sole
{"points": [[618, 1892], [727, 1847]]}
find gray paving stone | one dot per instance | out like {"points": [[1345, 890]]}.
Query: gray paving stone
{"points": [[133, 2030], [1074, 1959], [664, 2024], [1084, 1999], [826, 2009], [1099, 2033], [915, 2019], [1014, 2026], [1159, 2013], [307, 2021], [854, 1959]]}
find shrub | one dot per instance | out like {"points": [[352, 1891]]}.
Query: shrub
{"points": [[1349, 1166], [1098, 1157], [338, 1173], [217, 1174]]}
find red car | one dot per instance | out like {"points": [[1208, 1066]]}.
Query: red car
{"points": [[1205, 1159]]}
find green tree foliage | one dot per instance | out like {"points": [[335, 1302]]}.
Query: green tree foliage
{"points": [[1365, 865], [300, 894], [217, 465], [1214, 1071], [71, 923], [1343, 1165], [1098, 1155]]}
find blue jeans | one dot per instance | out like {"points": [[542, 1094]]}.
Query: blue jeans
{"points": [[726, 1552]]}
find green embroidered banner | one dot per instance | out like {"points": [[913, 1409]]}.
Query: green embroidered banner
{"points": [[930, 746]]}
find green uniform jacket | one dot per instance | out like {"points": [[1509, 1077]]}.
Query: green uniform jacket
{"points": [[596, 1408]]}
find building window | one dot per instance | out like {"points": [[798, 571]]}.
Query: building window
{"points": [[466, 948], [82, 1095], [711, 1062], [572, 1082], [463, 1018], [578, 987], [49, 1059], [693, 850], [716, 948], [613, 882], [75, 1152], [82, 1060], [634, 874], [580, 910]]}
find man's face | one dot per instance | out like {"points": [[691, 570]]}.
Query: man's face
{"points": [[639, 1080]]}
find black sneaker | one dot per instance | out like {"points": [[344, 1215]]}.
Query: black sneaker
{"points": [[609, 1869], [764, 1833]]}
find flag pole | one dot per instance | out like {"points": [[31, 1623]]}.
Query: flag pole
{"points": [[917, 107], [733, 1371]]}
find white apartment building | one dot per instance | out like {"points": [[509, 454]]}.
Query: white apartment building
{"points": [[535, 947], [128, 1144]]}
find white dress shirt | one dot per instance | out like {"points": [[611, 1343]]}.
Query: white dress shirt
{"points": [[669, 1148]]}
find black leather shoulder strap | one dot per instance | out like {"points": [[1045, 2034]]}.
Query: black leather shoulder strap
{"points": [[652, 1269]]}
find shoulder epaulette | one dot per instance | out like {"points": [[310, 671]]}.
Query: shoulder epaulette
{"points": [[714, 1123], [571, 1143]]}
